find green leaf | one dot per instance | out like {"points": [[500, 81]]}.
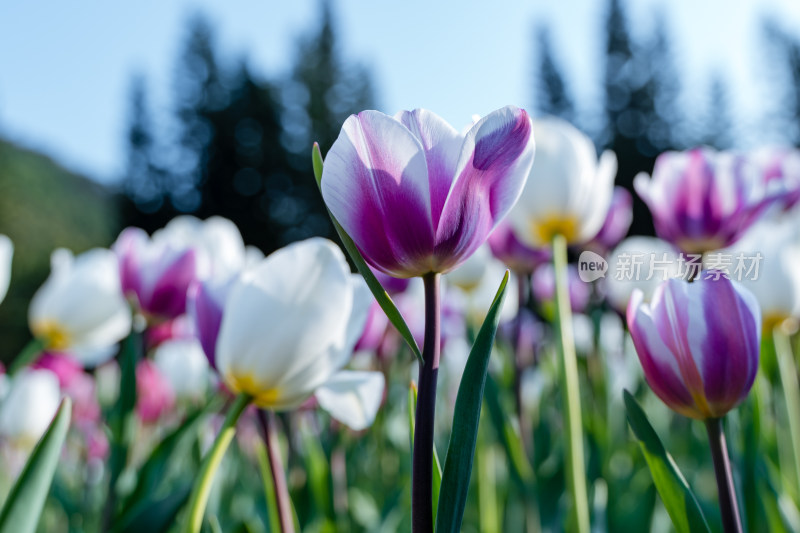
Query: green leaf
{"points": [[381, 296], [461, 450], [437, 472], [678, 498], [509, 436], [152, 472], [25, 502], [154, 515]]}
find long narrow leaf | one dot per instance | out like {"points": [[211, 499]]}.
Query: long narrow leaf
{"points": [[461, 450], [381, 296], [678, 498], [25, 502]]}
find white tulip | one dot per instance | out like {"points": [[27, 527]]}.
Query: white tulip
{"points": [[476, 301], [184, 365], [352, 397], [29, 406], [80, 307], [638, 263], [290, 323], [777, 283], [6, 254], [469, 274], [568, 191]]}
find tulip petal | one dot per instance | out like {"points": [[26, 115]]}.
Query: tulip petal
{"points": [[660, 368], [493, 167], [353, 398], [375, 183], [733, 325], [168, 297], [442, 144]]}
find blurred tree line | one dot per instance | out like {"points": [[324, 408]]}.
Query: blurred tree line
{"points": [[238, 146], [241, 146]]}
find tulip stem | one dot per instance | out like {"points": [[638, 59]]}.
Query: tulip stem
{"points": [[791, 394], [422, 459], [519, 356], [728, 506], [282, 499], [202, 486], [28, 355], [570, 391]]}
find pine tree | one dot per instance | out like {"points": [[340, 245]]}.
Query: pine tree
{"points": [[719, 125], [552, 97], [324, 89]]}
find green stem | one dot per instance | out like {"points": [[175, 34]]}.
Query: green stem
{"points": [[728, 506], [570, 391], [28, 355], [202, 487], [791, 395]]}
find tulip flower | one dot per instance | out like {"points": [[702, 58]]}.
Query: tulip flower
{"points": [[6, 254], [568, 191], [290, 324], [154, 395], [698, 343], [80, 307], [776, 284], [513, 253], [417, 197], [703, 200], [182, 363], [638, 263], [779, 169], [29, 407]]}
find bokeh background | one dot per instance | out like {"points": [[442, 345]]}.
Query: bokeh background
{"points": [[118, 114]]}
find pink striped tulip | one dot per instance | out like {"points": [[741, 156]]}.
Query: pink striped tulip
{"points": [[415, 195], [698, 343]]}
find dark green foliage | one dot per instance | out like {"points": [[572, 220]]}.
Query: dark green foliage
{"points": [[242, 147], [42, 207]]}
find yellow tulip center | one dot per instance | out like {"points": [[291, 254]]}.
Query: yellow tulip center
{"points": [[54, 336], [248, 384], [545, 229]]}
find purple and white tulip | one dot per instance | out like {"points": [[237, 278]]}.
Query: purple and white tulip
{"points": [[780, 170], [156, 274], [517, 256], [703, 200], [698, 343], [415, 195]]}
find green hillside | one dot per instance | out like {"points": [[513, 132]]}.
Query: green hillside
{"points": [[43, 206]]}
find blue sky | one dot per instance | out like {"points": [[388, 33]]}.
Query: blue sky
{"points": [[65, 67]]}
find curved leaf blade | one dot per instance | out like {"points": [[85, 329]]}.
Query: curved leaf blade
{"points": [[25, 502], [380, 294], [464, 436], [678, 498]]}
